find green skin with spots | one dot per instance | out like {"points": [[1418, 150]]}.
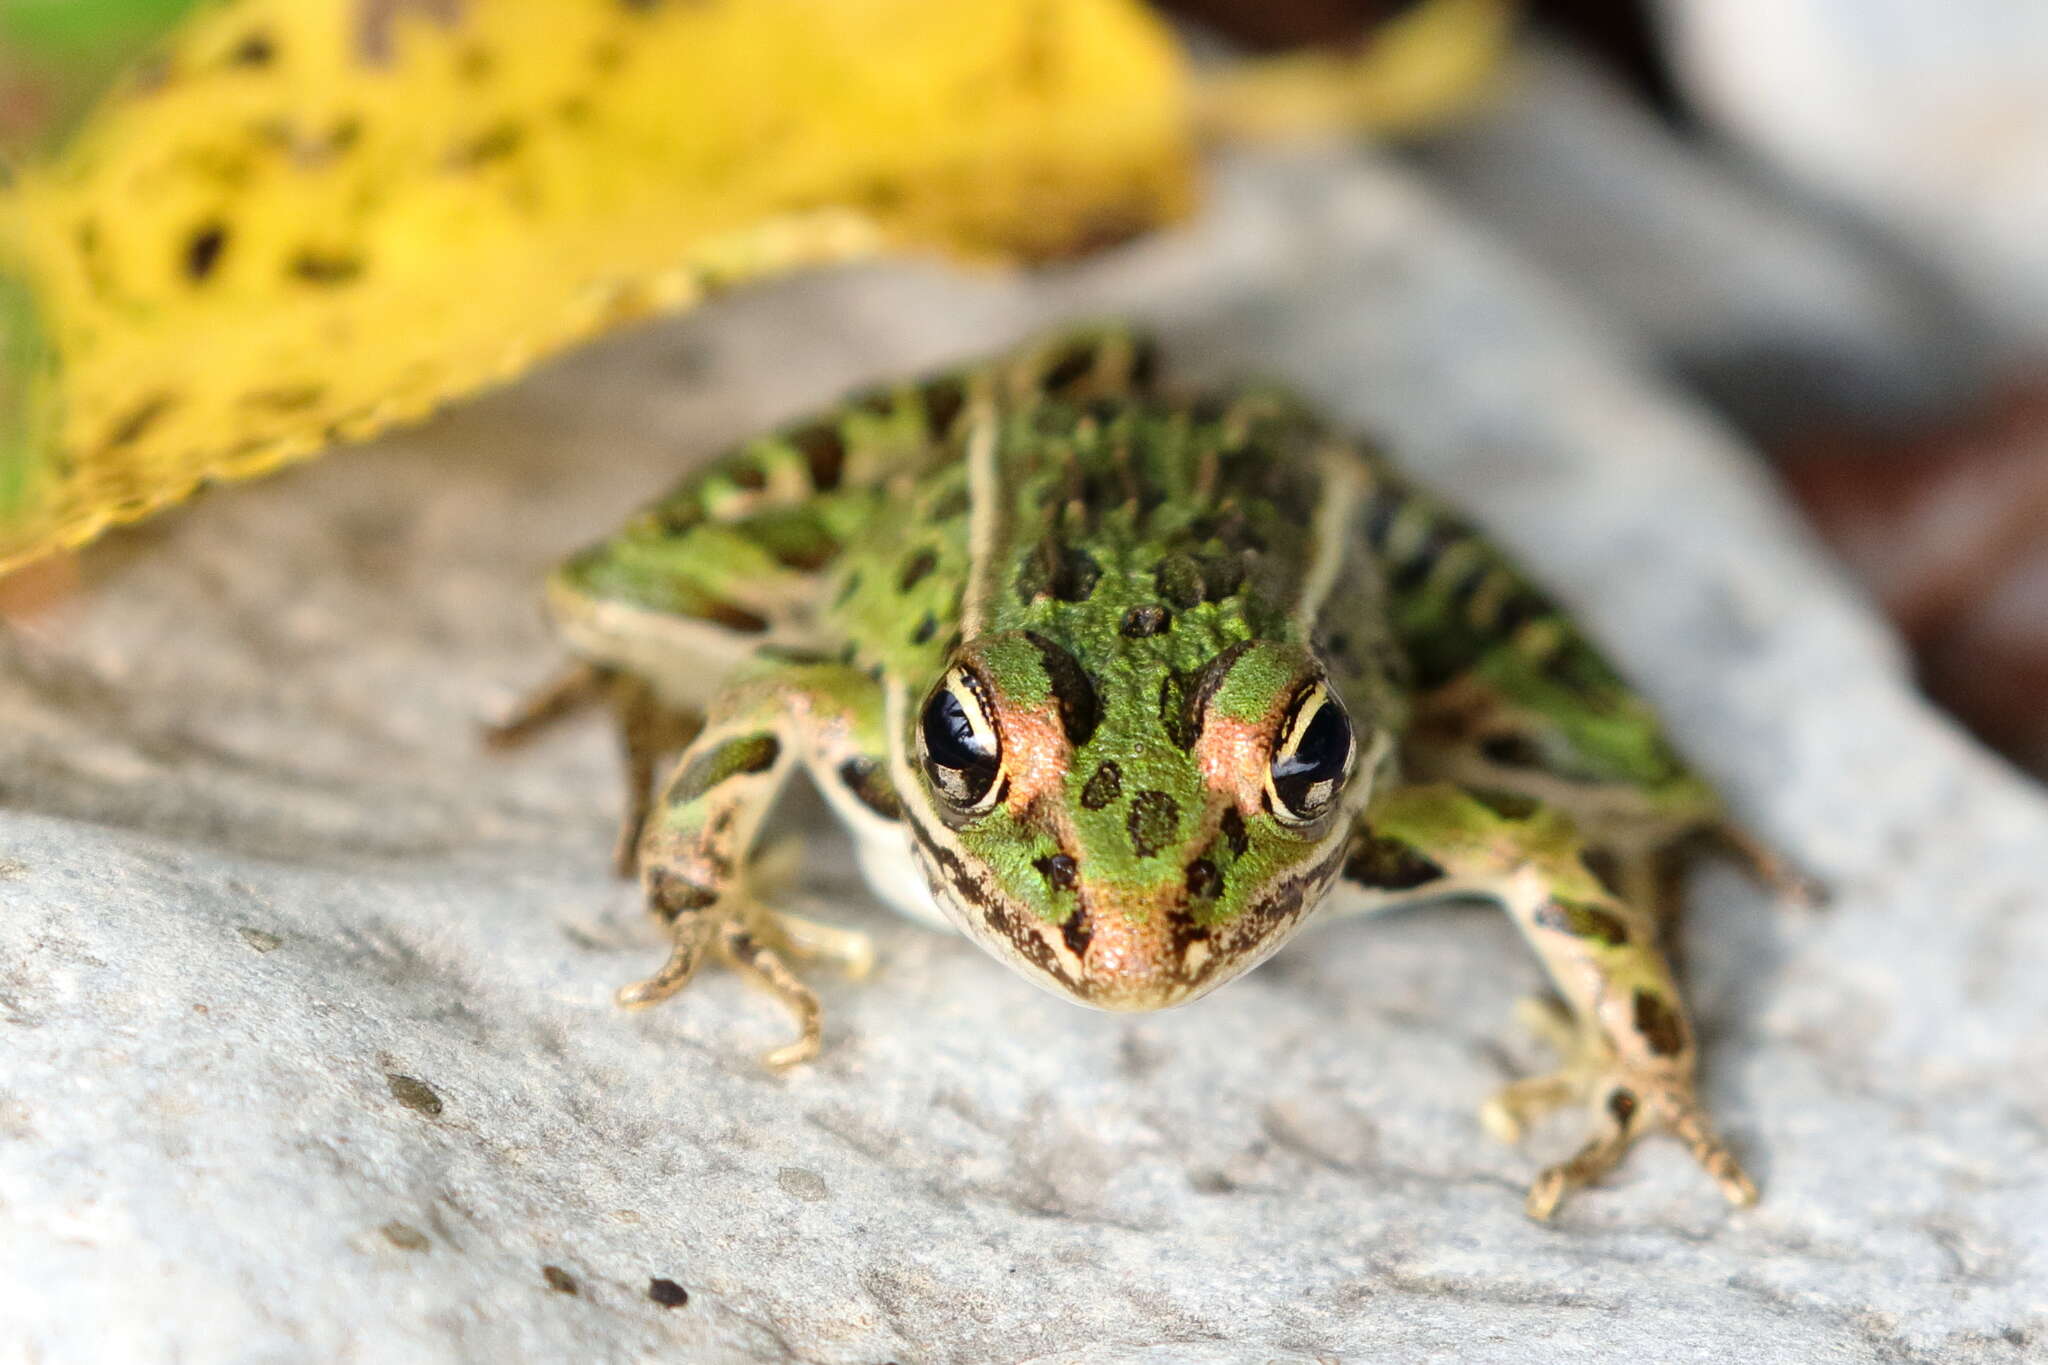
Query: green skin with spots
{"points": [[1129, 687]]}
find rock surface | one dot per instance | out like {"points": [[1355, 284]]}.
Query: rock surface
{"points": [[1786, 315], [308, 1049], [1927, 116]]}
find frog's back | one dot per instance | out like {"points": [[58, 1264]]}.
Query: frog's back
{"points": [[1117, 524]]}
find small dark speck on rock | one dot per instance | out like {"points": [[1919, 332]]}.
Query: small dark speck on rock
{"points": [[404, 1236], [559, 1280], [261, 940], [808, 1186], [667, 1293], [10, 868], [415, 1094]]}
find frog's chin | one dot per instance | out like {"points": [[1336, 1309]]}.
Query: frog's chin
{"points": [[1110, 960]]}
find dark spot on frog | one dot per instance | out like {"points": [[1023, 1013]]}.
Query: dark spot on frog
{"points": [[741, 756], [1077, 931], [1507, 805], [1622, 1105], [1179, 580], [869, 782], [824, 451], [1605, 867], [1511, 751], [1105, 786], [1388, 865], [735, 618], [1584, 921], [1234, 833], [943, 399], [405, 1236], [415, 1094], [558, 1279], [1079, 701], [926, 628], [1659, 1024], [1076, 362], [203, 250], [1058, 571], [1142, 622], [1154, 818], [261, 940], [880, 401], [748, 475], [1060, 871], [667, 1293], [1205, 881], [916, 568]]}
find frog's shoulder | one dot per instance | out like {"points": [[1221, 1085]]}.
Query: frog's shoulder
{"points": [[750, 547]]}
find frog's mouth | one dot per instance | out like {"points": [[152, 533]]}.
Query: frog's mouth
{"points": [[1121, 950]]}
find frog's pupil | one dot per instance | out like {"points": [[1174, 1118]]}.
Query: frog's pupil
{"points": [[1306, 778], [961, 763]]}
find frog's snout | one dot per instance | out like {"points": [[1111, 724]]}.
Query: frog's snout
{"points": [[1141, 949]]}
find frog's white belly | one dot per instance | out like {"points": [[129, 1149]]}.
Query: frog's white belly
{"points": [[893, 875]]}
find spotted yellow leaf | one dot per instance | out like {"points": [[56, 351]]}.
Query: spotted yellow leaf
{"points": [[309, 220]]}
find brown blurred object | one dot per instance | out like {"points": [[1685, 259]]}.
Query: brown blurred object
{"points": [[1620, 31], [1272, 25], [1950, 530]]}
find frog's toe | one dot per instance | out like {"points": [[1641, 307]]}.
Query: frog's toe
{"points": [[1514, 1107], [1771, 869], [747, 952], [1624, 1109], [561, 695], [848, 949], [1517, 1105]]}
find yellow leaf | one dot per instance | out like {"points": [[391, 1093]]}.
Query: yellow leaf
{"points": [[312, 219]]}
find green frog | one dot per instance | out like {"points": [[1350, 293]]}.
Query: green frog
{"points": [[1128, 687]]}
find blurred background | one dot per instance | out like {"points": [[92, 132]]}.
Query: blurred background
{"points": [[1827, 221]]}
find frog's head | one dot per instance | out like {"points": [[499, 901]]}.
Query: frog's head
{"points": [[1135, 835]]}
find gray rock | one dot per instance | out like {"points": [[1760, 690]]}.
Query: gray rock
{"points": [[1785, 314], [1930, 117], [309, 1051]]}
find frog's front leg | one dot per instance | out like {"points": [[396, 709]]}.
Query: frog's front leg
{"points": [[1628, 1050], [694, 850], [648, 729]]}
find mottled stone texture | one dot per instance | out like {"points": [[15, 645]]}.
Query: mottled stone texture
{"points": [[306, 1049]]}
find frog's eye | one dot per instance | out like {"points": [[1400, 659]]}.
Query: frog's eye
{"points": [[958, 746], [1313, 758]]}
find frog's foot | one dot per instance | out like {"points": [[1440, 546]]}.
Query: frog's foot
{"points": [[756, 941], [1770, 869], [648, 731], [562, 695], [1625, 1103]]}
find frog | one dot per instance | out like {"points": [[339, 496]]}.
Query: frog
{"points": [[1128, 684]]}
